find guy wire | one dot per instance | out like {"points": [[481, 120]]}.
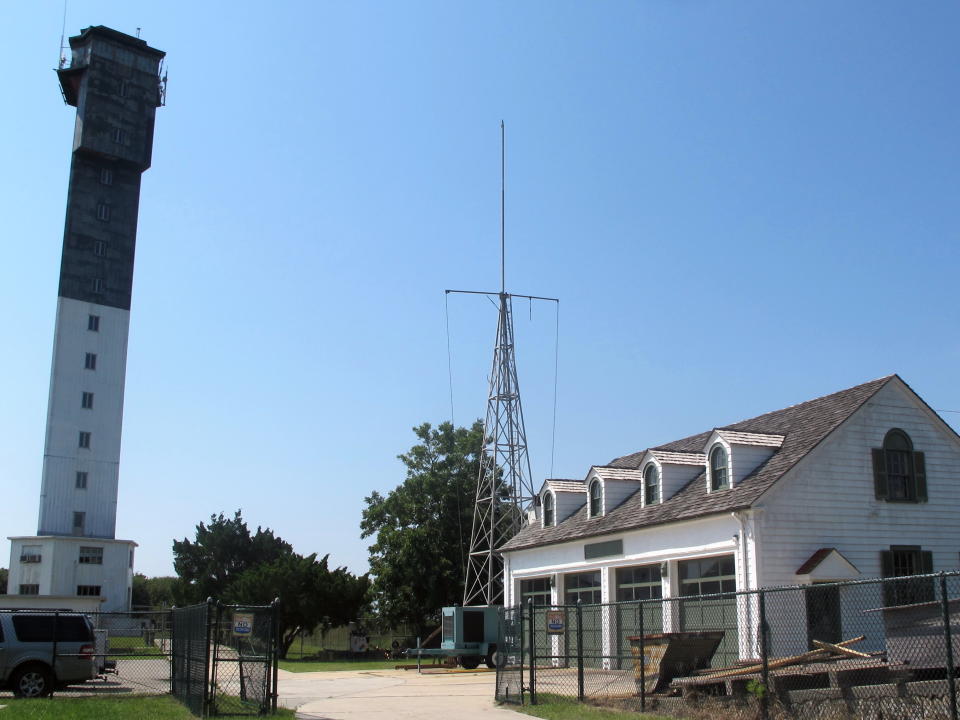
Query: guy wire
{"points": [[446, 309], [556, 366]]}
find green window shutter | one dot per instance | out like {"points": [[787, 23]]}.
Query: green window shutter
{"points": [[886, 570], [880, 474], [926, 592], [886, 563], [920, 475]]}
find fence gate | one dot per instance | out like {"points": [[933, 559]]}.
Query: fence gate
{"points": [[225, 658], [510, 649], [190, 640], [243, 676]]}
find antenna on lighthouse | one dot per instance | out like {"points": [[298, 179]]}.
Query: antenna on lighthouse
{"points": [[504, 484]]}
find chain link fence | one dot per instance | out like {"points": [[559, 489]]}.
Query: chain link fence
{"points": [[367, 637], [243, 676], [856, 650], [215, 659], [190, 656]]}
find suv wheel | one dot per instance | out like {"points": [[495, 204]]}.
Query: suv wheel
{"points": [[32, 681]]}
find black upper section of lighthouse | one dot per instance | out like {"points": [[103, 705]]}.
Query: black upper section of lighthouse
{"points": [[113, 81]]}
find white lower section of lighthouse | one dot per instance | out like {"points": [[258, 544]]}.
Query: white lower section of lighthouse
{"points": [[78, 495], [75, 552]]}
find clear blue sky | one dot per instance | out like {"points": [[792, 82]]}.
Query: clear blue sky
{"points": [[742, 205]]}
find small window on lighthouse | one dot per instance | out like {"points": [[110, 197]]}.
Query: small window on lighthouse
{"points": [[86, 402], [90, 362], [99, 248], [93, 323], [103, 212], [84, 439], [78, 521], [81, 480], [97, 285], [106, 176]]}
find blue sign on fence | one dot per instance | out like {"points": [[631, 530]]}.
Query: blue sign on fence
{"points": [[242, 624], [555, 621]]}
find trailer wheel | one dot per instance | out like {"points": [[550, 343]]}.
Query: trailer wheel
{"points": [[492, 659], [469, 662]]}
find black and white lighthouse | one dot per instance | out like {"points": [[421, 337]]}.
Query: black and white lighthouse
{"points": [[113, 80]]}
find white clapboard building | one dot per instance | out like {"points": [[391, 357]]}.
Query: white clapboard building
{"points": [[858, 484]]}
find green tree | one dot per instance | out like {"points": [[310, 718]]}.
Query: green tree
{"points": [[3, 580], [220, 552], [422, 527], [310, 594], [140, 597], [156, 592], [229, 563]]}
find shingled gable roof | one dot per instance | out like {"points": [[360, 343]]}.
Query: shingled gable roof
{"points": [[803, 427], [564, 485]]}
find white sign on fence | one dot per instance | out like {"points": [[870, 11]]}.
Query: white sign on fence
{"points": [[243, 624]]}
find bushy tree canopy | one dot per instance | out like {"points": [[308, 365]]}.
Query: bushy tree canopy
{"points": [[229, 563], [156, 592], [422, 527], [220, 552], [310, 593]]}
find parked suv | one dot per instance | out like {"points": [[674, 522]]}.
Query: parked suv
{"points": [[42, 650]]}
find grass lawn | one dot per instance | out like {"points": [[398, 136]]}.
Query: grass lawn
{"points": [[307, 649], [130, 708], [130, 647], [558, 708], [320, 666]]}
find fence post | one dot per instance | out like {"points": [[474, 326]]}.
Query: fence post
{"points": [[580, 694], [276, 651], [533, 653], [207, 673], [641, 659], [173, 651], [519, 616], [56, 637], [764, 657], [948, 639]]}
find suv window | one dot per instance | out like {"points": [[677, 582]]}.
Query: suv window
{"points": [[39, 628]]}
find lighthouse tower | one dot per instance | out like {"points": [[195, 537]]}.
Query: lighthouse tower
{"points": [[113, 81]]}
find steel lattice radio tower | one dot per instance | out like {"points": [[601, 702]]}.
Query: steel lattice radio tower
{"points": [[504, 483]]}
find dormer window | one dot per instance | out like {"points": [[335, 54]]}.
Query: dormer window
{"points": [[596, 499], [651, 485], [719, 472], [548, 511]]}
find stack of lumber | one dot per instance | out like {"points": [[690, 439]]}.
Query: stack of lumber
{"points": [[824, 651]]}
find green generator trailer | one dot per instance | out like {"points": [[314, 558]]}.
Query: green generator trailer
{"points": [[470, 634]]}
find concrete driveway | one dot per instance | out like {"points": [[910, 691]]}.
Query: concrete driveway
{"points": [[375, 694]]}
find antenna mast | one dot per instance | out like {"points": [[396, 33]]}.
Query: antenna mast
{"points": [[504, 484]]}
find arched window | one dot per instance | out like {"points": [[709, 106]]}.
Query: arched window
{"points": [[651, 485], [595, 495], [899, 472], [719, 476], [548, 513]]}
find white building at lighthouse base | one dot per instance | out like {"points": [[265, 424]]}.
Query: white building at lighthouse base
{"points": [[72, 567]]}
